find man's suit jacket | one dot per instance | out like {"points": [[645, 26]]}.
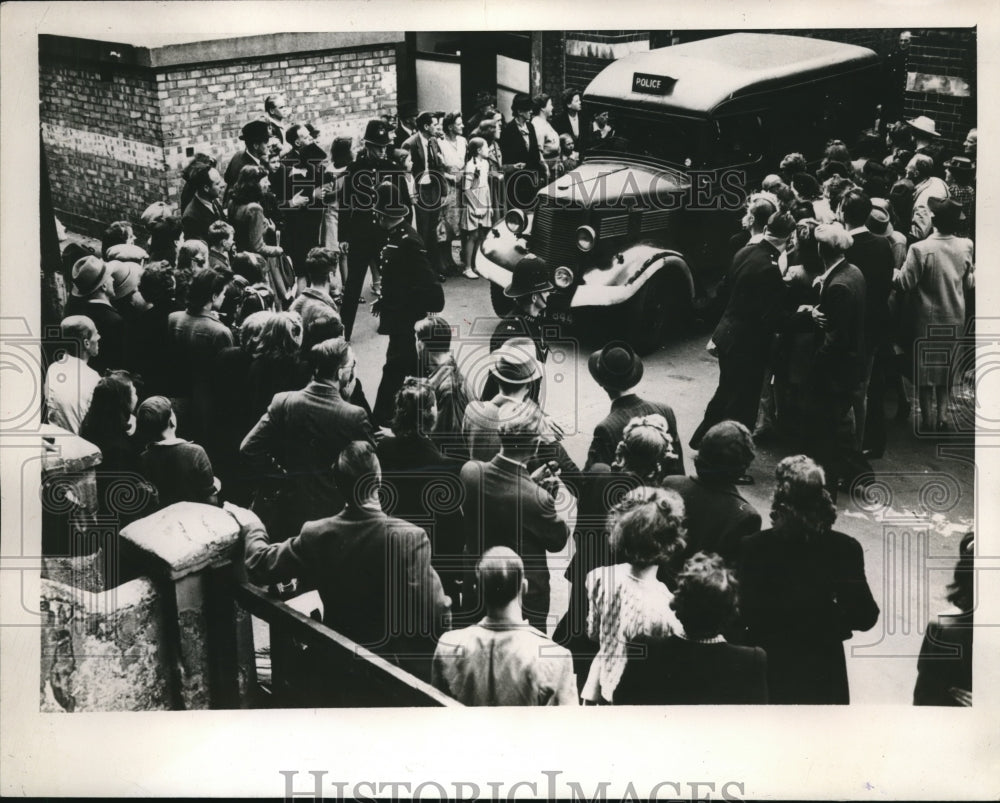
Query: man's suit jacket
{"points": [[304, 431], [429, 194], [756, 296], [236, 164], [681, 672], [608, 433], [514, 150], [717, 516], [373, 573], [838, 364], [197, 218], [505, 507], [872, 255]]}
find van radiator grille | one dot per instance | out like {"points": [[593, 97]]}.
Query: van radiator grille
{"points": [[553, 235]]}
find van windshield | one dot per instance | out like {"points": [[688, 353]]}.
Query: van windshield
{"points": [[676, 141]]}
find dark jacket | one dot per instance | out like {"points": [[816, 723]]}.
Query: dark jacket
{"points": [[303, 432], [800, 599], [198, 217], [429, 193], [681, 672], [945, 663], [838, 365], [356, 220], [608, 433], [717, 517], [236, 164], [410, 287], [562, 126], [146, 350], [111, 327], [180, 472], [755, 306], [513, 148], [873, 257]]}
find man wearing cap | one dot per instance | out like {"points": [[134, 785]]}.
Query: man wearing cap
{"points": [[507, 504], [358, 228], [618, 369], [838, 367], [206, 206], [125, 295], [742, 339], [410, 289], [255, 135], [523, 165], [926, 139], [406, 125], [93, 289], [920, 170], [70, 381], [429, 179]]}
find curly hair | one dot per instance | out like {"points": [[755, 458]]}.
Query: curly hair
{"points": [[247, 189], [416, 411], [801, 504], [707, 596], [647, 526], [281, 336], [646, 448]]}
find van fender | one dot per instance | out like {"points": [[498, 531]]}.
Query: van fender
{"points": [[638, 266]]}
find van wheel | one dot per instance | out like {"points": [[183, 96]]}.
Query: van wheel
{"points": [[661, 307], [501, 304]]}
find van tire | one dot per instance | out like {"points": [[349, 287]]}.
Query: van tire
{"points": [[501, 303], [660, 308]]}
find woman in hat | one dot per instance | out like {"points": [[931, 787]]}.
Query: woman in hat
{"points": [[935, 277]]}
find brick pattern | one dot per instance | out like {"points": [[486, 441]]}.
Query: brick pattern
{"points": [[204, 108], [554, 66], [951, 53]]}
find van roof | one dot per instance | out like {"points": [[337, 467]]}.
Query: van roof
{"points": [[700, 76]]}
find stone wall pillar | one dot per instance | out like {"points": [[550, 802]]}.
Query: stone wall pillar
{"points": [[193, 553]]}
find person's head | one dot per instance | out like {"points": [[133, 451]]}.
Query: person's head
{"points": [[342, 151], [416, 409], [79, 331], [111, 406], [390, 208], [616, 367], [357, 473], [832, 240], [566, 144], [158, 285], [426, 123], [221, 236], [433, 334], [501, 577], [901, 202], [118, 233], [252, 328], [92, 279], [320, 264], [855, 207], [572, 100], [487, 131], [706, 598], [255, 135], [248, 265], [453, 125], [726, 452], [322, 327], [155, 420], [192, 254], [946, 215], [328, 358], [836, 151], [970, 143], [646, 448], [801, 503], [834, 189], [281, 336], [792, 164], [198, 162], [541, 104], [376, 138], [477, 147], [920, 167], [904, 40], [806, 186], [207, 182], [515, 366], [531, 285], [959, 170], [165, 236], [647, 526], [520, 429], [772, 183], [207, 289], [961, 591], [277, 106], [760, 207], [125, 280], [780, 227], [521, 106], [251, 184], [298, 137], [403, 158]]}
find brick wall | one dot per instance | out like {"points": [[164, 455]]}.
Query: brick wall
{"points": [[101, 130], [554, 66], [951, 54], [589, 52]]}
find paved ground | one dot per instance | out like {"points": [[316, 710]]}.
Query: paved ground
{"points": [[909, 523]]}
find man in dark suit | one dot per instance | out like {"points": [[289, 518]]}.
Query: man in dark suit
{"points": [[206, 206], [430, 183], [300, 437], [373, 571], [255, 135], [716, 515], [505, 505], [838, 365], [570, 120], [523, 166], [618, 369], [406, 125], [872, 255], [742, 339]]}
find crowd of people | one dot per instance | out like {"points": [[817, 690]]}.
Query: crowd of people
{"points": [[213, 364]]}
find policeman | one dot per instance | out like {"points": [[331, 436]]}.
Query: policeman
{"points": [[358, 227], [410, 290], [530, 287]]}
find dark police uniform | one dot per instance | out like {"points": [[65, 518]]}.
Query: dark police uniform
{"points": [[358, 227], [410, 289]]}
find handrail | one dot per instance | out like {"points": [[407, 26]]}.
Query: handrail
{"points": [[400, 687]]}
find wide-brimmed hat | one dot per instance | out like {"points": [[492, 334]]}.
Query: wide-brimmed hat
{"points": [[256, 131], [127, 252], [961, 165], [515, 362], [924, 124], [878, 222], [531, 275], [88, 275], [126, 278], [946, 209], [377, 133], [616, 366]]}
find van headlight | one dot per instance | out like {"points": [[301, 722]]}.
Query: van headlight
{"points": [[562, 277], [516, 221], [585, 238]]}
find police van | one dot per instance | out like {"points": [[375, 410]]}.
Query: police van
{"points": [[637, 235]]}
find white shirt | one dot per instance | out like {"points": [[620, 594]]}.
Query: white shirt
{"points": [[69, 387], [548, 139]]}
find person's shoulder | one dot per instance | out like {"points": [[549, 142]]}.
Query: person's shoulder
{"points": [[678, 483]]}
